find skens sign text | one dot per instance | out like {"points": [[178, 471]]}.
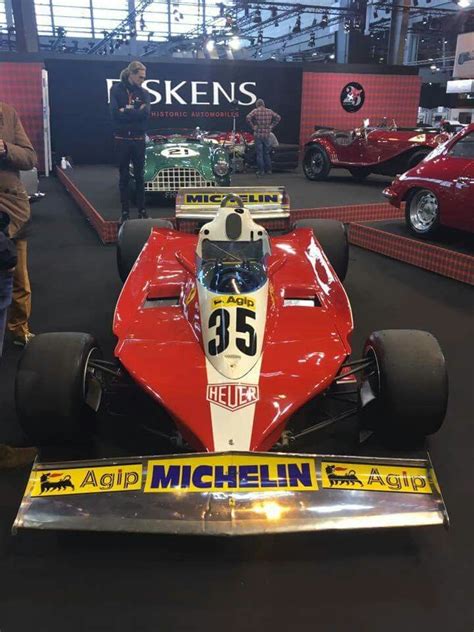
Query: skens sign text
{"points": [[168, 92]]}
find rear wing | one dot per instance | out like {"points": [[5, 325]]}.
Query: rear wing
{"points": [[264, 203]]}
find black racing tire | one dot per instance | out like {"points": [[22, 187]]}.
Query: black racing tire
{"points": [[410, 384], [416, 158], [360, 173], [132, 236], [316, 163], [51, 388], [422, 213], [332, 236]]}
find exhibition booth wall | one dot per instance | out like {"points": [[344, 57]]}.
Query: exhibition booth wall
{"points": [[324, 101], [21, 87], [208, 94]]}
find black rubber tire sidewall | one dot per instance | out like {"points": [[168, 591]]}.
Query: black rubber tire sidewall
{"points": [[49, 387], [132, 236], [326, 163], [416, 158], [359, 173], [332, 236], [412, 383]]}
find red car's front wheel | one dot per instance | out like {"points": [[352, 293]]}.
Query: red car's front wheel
{"points": [[316, 163], [422, 213]]}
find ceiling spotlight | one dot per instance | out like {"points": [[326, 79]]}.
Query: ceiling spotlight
{"points": [[357, 23], [332, 56], [257, 17], [463, 4], [274, 12], [260, 38], [312, 41], [142, 23], [347, 25], [260, 52], [387, 10], [234, 43], [424, 21], [210, 45], [376, 13], [297, 26], [324, 20], [433, 67]]}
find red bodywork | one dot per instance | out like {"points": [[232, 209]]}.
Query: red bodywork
{"points": [[450, 178], [161, 346], [383, 150]]}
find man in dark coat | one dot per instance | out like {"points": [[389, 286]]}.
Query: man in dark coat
{"points": [[130, 108]]}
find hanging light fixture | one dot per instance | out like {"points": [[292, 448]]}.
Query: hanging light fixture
{"points": [[324, 20]]}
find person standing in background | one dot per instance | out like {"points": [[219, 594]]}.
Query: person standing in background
{"points": [[130, 109], [262, 120], [16, 152]]}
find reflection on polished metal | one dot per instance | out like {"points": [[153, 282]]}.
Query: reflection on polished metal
{"points": [[232, 494]]}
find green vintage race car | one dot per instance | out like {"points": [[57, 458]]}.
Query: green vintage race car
{"points": [[174, 160]]}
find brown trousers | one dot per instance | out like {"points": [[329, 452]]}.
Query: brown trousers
{"points": [[20, 309]]}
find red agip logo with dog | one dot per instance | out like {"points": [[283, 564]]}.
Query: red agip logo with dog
{"points": [[232, 396]]}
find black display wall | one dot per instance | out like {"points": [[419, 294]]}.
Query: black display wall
{"points": [[183, 95]]}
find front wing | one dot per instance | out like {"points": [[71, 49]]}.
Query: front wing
{"points": [[233, 493]]}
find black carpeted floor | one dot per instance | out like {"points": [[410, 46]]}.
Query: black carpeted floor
{"points": [[449, 238], [401, 579], [99, 183]]}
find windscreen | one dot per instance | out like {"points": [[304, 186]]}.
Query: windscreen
{"points": [[232, 267]]}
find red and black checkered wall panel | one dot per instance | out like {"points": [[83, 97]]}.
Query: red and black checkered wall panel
{"points": [[20, 86], [393, 96]]}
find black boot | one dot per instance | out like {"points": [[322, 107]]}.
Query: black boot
{"points": [[142, 214]]}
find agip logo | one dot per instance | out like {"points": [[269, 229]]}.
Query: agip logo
{"points": [[232, 396], [352, 97]]}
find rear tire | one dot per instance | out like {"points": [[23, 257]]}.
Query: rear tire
{"points": [[51, 388], [410, 384], [132, 236], [360, 173], [416, 158], [316, 163], [332, 236]]}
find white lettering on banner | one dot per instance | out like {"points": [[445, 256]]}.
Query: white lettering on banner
{"points": [[172, 92], [195, 93], [218, 88], [155, 96], [201, 92]]}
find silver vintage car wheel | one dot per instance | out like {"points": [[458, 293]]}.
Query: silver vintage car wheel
{"points": [[423, 212]]}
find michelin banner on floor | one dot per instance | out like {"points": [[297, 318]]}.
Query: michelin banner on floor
{"points": [[209, 95]]}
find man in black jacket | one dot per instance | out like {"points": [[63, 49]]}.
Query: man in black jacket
{"points": [[130, 108]]}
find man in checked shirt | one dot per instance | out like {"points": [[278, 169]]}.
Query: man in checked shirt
{"points": [[262, 120]]}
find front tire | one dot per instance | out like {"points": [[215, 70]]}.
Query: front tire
{"points": [[332, 236], [132, 236], [422, 213], [409, 384], [316, 163], [52, 388]]}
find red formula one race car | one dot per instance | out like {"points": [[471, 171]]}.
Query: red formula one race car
{"points": [[383, 148], [243, 339], [439, 191]]}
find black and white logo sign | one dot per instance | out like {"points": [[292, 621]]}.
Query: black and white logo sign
{"points": [[352, 97]]}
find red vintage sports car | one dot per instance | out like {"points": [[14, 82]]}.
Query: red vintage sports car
{"points": [[383, 148], [244, 340], [440, 190]]}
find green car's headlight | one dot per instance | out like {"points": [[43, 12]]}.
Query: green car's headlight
{"points": [[221, 167]]}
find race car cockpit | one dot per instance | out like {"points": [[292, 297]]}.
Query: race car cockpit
{"points": [[232, 251]]}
